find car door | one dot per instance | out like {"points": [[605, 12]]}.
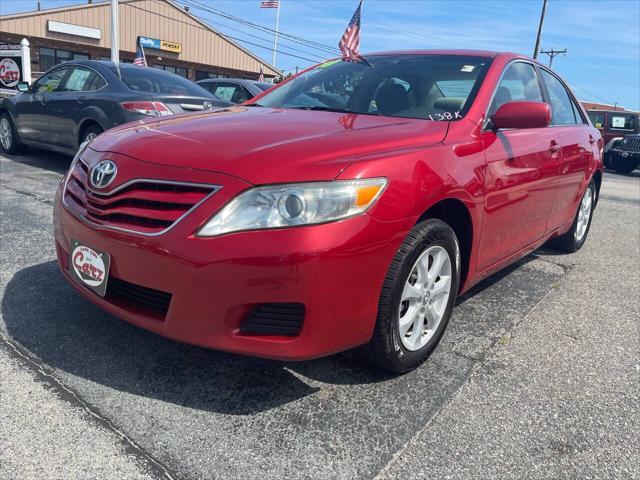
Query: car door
{"points": [[520, 180], [578, 141], [32, 120], [66, 107]]}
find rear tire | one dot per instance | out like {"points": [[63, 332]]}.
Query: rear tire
{"points": [[9, 140], [574, 239], [422, 283]]}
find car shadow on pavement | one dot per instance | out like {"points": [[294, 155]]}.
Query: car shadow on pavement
{"points": [[47, 317], [51, 161]]}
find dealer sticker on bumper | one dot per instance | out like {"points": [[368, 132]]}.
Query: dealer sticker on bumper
{"points": [[89, 267]]}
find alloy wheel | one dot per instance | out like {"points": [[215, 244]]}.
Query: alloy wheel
{"points": [[584, 214], [5, 134], [424, 298]]}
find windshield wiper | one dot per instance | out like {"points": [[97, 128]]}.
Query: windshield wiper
{"points": [[253, 105]]}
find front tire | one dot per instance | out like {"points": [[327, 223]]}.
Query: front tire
{"points": [[417, 299], [90, 133], [623, 167], [9, 141], [574, 239]]}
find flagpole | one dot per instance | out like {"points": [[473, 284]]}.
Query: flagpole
{"points": [[275, 37]]}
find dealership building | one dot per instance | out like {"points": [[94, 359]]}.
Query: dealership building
{"points": [[174, 39]]}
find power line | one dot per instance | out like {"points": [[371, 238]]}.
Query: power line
{"points": [[591, 94], [218, 33], [313, 44]]}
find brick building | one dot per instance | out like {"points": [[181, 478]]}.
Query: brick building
{"points": [[176, 40]]}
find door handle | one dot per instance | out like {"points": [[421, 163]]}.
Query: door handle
{"points": [[554, 147], [42, 99]]}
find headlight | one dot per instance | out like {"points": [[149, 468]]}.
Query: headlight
{"points": [[288, 205]]}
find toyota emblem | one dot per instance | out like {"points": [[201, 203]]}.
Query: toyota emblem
{"points": [[207, 105], [103, 173]]}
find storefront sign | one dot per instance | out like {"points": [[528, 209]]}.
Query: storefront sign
{"points": [[10, 71], [71, 29], [147, 42]]}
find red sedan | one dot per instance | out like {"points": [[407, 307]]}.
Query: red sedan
{"points": [[348, 207]]}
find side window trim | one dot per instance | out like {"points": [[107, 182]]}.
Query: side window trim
{"points": [[487, 120]]}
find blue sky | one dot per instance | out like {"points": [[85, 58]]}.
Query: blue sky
{"points": [[602, 36]]}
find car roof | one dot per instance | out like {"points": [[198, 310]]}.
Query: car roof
{"points": [[228, 79], [467, 53]]}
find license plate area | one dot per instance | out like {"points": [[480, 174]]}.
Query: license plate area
{"points": [[89, 267]]}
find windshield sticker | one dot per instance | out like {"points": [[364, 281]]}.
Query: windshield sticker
{"points": [[329, 63], [467, 68], [438, 117], [617, 122]]}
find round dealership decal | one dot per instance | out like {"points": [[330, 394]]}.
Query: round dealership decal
{"points": [[9, 72], [88, 265]]}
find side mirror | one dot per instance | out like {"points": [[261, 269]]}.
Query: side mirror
{"points": [[22, 87], [522, 115]]}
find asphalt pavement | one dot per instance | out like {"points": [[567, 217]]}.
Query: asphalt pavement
{"points": [[537, 375]]}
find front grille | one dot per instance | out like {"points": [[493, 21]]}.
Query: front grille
{"points": [[632, 144], [274, 319], [142, 206], [154, 302]]}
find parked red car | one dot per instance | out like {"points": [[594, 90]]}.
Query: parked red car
{"points": [[348, 207]]}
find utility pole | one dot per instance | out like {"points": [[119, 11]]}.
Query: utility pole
{"points": [[554, 53], [535, 50], [275, 37], [115, 52]]}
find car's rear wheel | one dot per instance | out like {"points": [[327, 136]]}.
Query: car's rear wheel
{"points": [[90, 133], [573, 240], [8, 138], [417, 299]]}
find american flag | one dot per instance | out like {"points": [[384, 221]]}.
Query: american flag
{"points": [[261, 77], [350, 41], [270, 4], [140, 60]]}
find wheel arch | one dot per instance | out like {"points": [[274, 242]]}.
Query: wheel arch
{"points": [[82, 127], [456, 214]]}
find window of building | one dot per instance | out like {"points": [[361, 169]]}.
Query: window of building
{"points": [[177, 70], [201, 75], [50, 57]]}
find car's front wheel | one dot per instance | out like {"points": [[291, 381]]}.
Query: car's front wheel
{"points": [[8, 139], [623, 166], [90, 133], [417, 298]]}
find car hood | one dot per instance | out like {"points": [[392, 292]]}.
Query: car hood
{"points": [[265, 145]]}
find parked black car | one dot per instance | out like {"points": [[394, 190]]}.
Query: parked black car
{"points": [[234, 90], [76, 101], [624, 155]]}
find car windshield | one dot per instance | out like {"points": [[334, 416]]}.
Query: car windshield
{"points": [[431, 87], [157, 81]]}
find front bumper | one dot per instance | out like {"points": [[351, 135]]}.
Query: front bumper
{"points": [[624, 155], [335, 270]]}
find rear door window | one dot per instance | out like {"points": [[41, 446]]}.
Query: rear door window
{"points": [[82, 79], [231, 92], [562, 111]]}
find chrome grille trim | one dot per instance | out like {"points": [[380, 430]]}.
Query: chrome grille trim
{"points": [[214, 189]]}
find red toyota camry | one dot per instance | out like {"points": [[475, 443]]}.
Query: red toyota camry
{"points": [[348, 207]]}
